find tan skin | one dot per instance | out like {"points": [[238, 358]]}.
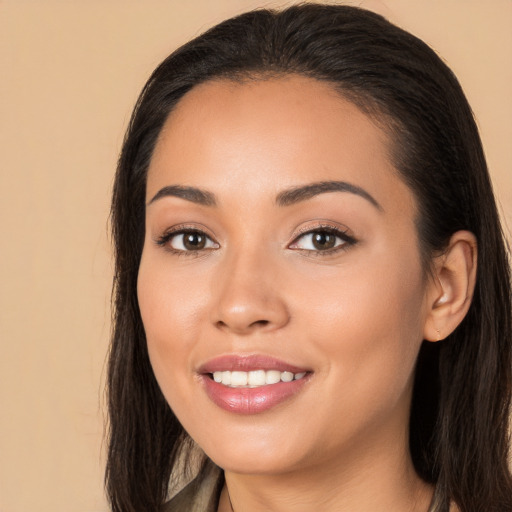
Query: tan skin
{"points": [[352, 309]]}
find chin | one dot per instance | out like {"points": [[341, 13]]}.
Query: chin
{"points": [[250, 463], [253, 452]]}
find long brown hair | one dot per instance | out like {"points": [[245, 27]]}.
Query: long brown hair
{"points": [[461, 400]]}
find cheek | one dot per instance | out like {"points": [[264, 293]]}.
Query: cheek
{"points": [[170, 300], [369, 336], [368, 322], [172, 308]]}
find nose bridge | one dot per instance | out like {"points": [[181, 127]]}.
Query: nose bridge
{"points": [[247, 292]]}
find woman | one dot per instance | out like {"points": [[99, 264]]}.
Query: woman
{"points": [[300, 209]]}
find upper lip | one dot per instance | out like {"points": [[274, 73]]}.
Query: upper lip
{"points": [[247, 363]]}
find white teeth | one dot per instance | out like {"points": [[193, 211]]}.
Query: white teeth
{"points": [[239, 378], [272, 377], [255, 378], [287, 376]]}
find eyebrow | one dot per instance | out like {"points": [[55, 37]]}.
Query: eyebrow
{"points": [[303, 193], [285, 198], [192, 194]]}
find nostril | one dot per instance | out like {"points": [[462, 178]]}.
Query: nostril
{"points": [[220, 324], [260, 323]]}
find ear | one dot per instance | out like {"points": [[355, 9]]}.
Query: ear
{"points": [[451, 289]]}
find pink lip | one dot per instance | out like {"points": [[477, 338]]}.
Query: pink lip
{"points": [[247, 364], [250, 400]]}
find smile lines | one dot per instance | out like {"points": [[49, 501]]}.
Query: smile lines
{"points": [[255, 378]]}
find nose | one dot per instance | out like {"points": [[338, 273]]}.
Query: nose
{"points": [[249, 296]]}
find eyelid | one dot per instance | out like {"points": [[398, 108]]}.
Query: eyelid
{"points": [[340, 231], [180, 229]]}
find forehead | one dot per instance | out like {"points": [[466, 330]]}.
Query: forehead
{"points": [[272, 133], [285, 107]]}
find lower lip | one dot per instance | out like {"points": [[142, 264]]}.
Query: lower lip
{"points": [[251, 400]]}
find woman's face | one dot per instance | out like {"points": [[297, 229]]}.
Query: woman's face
{"points": [[281, 246]]}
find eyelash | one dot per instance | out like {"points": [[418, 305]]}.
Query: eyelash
{"points": [[347, 240], [168, 236]]}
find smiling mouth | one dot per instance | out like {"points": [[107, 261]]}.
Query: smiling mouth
{"points": [[254, 378], [251, 384]]}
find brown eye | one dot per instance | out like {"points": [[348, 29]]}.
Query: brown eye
{"points": [[322, 240], [188, 241], [194, 241], [326, 240]]}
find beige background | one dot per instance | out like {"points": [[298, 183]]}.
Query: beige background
{"points": [[70, 72]]}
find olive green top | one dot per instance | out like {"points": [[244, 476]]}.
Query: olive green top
{"points": [[201, 495]]}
